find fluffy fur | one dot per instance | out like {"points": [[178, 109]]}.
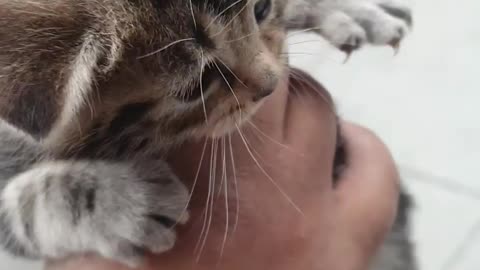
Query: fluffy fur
{"points": [[93, 93], [398, 252]]}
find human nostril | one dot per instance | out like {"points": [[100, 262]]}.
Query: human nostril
{"points": [[263, 93]]}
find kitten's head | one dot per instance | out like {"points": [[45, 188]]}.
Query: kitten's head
{"points": [[205, 64], [220, 58]]}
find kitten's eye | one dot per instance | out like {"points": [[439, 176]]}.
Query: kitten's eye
{"points": [[262, 9]]}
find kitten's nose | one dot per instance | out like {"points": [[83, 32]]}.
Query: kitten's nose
{"points": [[260, 74], [262, 93]]}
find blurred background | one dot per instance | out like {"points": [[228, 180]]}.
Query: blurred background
{"points": [[423, 103]]}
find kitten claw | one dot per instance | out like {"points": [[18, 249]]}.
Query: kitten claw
{"points": [[396, 50], [348, 49], [348, 25], [395, 44], [347, 57]]}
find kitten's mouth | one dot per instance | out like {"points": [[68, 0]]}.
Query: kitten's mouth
{"points": [[232, 121], [232, 113], [211, 73]]}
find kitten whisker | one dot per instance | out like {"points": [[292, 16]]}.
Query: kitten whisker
{"points": [[254, 133], [211, 195], [295, 53], [201, 86], [254, 151], [207, 204], [231, 72], [256, 128], [240, 38], [222, 179], [166, 47], [195, 180], [310, 85], [237, 210], [275, 184], [305, 41], [221, 13], [352, 43], [297, 88], [225, 191], [43, 14], [230, 87], [293, 33], [231, 20], [193, 14], [300, 53]]}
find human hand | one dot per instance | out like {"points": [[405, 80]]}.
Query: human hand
{"points": [[284, 212]]}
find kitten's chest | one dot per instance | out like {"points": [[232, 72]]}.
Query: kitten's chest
{"points": [[123, 133], [32, 108]]}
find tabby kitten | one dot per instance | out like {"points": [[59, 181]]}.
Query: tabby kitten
{"points": [[94, 92]]}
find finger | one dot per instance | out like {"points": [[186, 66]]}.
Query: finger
{"points": [[307, 128], [271, 114], [295, 111], [309, 111], [368, 188]]}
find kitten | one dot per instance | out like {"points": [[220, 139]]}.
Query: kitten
{"points": [[398, 252], [95, 92]]}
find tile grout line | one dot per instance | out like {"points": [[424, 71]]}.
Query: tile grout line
{"points": [[458, 253], [442, 182]]}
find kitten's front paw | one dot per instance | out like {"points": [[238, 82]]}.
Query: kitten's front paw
{"points": [[145, 223], [348, 24], [117, 210]]}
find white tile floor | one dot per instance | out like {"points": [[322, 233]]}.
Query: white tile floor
{"points": [[9, 263], [424, 104]]}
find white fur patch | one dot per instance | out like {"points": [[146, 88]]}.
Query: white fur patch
{"points": [[78, 86], [352, 22]]}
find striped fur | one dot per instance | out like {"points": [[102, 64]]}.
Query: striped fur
{"points": [[93, 94]]}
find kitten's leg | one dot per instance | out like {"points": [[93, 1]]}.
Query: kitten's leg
{"points": [[18, 152], [59, 208], [348, 24], [117, 210]]}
